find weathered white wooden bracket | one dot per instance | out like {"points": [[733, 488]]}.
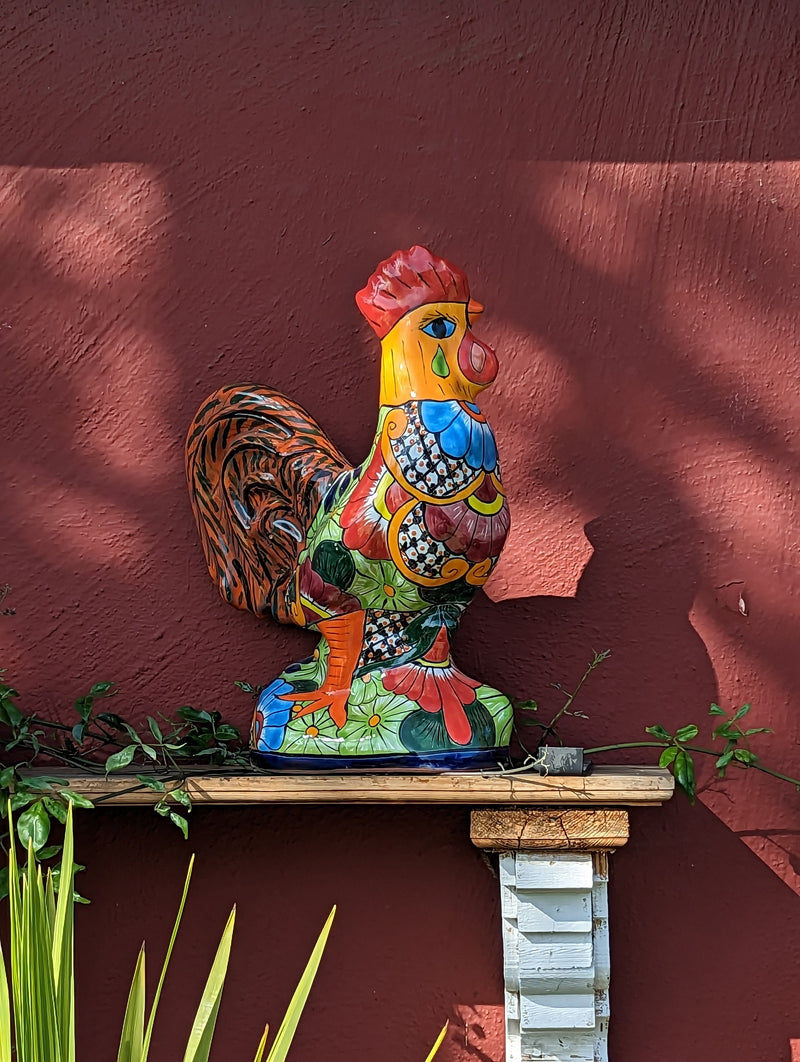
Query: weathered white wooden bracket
{"points": [[554, 901]]}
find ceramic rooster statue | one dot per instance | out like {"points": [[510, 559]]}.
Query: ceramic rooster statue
{"points": [[381, 559]]}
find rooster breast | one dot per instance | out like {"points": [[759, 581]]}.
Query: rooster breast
{"points": [[421, 521]]}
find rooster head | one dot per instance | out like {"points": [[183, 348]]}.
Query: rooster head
{"points": [[420, 308]]}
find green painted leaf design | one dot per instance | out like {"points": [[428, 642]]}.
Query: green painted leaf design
{"points": [[439, 364], [334, 563], [423, 731], [458, 592]]}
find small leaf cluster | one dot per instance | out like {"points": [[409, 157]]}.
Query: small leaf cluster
{"points": [[677, 757], [737, 741], [42, 798], [178, 795], [678, 754], [159, 756]]}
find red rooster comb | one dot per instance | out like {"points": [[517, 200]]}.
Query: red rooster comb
{"points": [[407, 280]]}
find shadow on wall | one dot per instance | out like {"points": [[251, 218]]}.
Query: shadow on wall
{"points": [[192, 197]]}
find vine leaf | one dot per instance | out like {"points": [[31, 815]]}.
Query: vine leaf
{"points": [[658, 731], [684, 773], [667, 756], [120, 759]]}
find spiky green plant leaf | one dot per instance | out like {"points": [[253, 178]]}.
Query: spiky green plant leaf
{"points": [[5, 1013], [262, 1046], [439, 1041], [62, 945], [199, 1046], [151, 1020], [283, 1041], [131, 1041]]}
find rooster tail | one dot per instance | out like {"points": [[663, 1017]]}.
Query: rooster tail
{"points": [[258, 466]]}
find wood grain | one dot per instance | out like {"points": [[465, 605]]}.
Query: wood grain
{"points": [[563, 829], [604, 786]]}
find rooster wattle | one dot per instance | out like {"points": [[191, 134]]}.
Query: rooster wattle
{"points": [[381, 559]]}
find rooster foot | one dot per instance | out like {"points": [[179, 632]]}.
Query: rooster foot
{"points": [[334, 701]]}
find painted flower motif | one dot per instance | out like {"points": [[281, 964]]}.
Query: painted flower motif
{"points": [[313, 735], [271, 716], [436, 688], [461, 431], [373, 729], [379, 585]]}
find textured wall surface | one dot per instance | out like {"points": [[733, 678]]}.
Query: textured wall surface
{"points": [[191, 194]]}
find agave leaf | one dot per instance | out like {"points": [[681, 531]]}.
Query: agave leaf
{"points": [[283, 1041], [39, 1014], [5, 1013], [131, 1043], [439, 1041], [62, 921], [62, 946], [15, 918], [50, 896], [259, 1051], [199, 1046], [151, 1020]]}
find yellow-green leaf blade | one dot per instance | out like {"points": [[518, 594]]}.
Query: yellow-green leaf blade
{"points": [[62, 946], [283, 1041], [198, 1047], [151, 1020], [62, 924], [131, 1041], [439, 1042], [38, 1014], [5, 1013], [261, 1047]]}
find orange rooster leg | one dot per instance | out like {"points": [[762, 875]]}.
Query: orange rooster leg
{"points": [[344, 637]]}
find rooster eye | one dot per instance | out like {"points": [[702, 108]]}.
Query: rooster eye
{"points": [[439, 328]]}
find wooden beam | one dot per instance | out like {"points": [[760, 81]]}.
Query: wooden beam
{"points": [[563, 830], [606, 786]]}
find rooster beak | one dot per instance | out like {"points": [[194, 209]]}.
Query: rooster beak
{"points": [[474, 308]]}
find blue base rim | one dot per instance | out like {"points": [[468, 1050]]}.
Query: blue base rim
{"points": [[424, 763]]}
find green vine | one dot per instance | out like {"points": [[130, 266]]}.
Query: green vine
{"points": [[732, 749], [159, 756]]}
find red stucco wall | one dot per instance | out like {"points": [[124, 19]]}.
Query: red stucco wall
{"points": [[191, 193]]}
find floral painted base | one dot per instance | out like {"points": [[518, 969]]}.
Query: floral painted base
{"points": [[409, 716]]}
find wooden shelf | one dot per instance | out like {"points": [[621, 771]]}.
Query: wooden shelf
{"points": [[604, 786]]}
